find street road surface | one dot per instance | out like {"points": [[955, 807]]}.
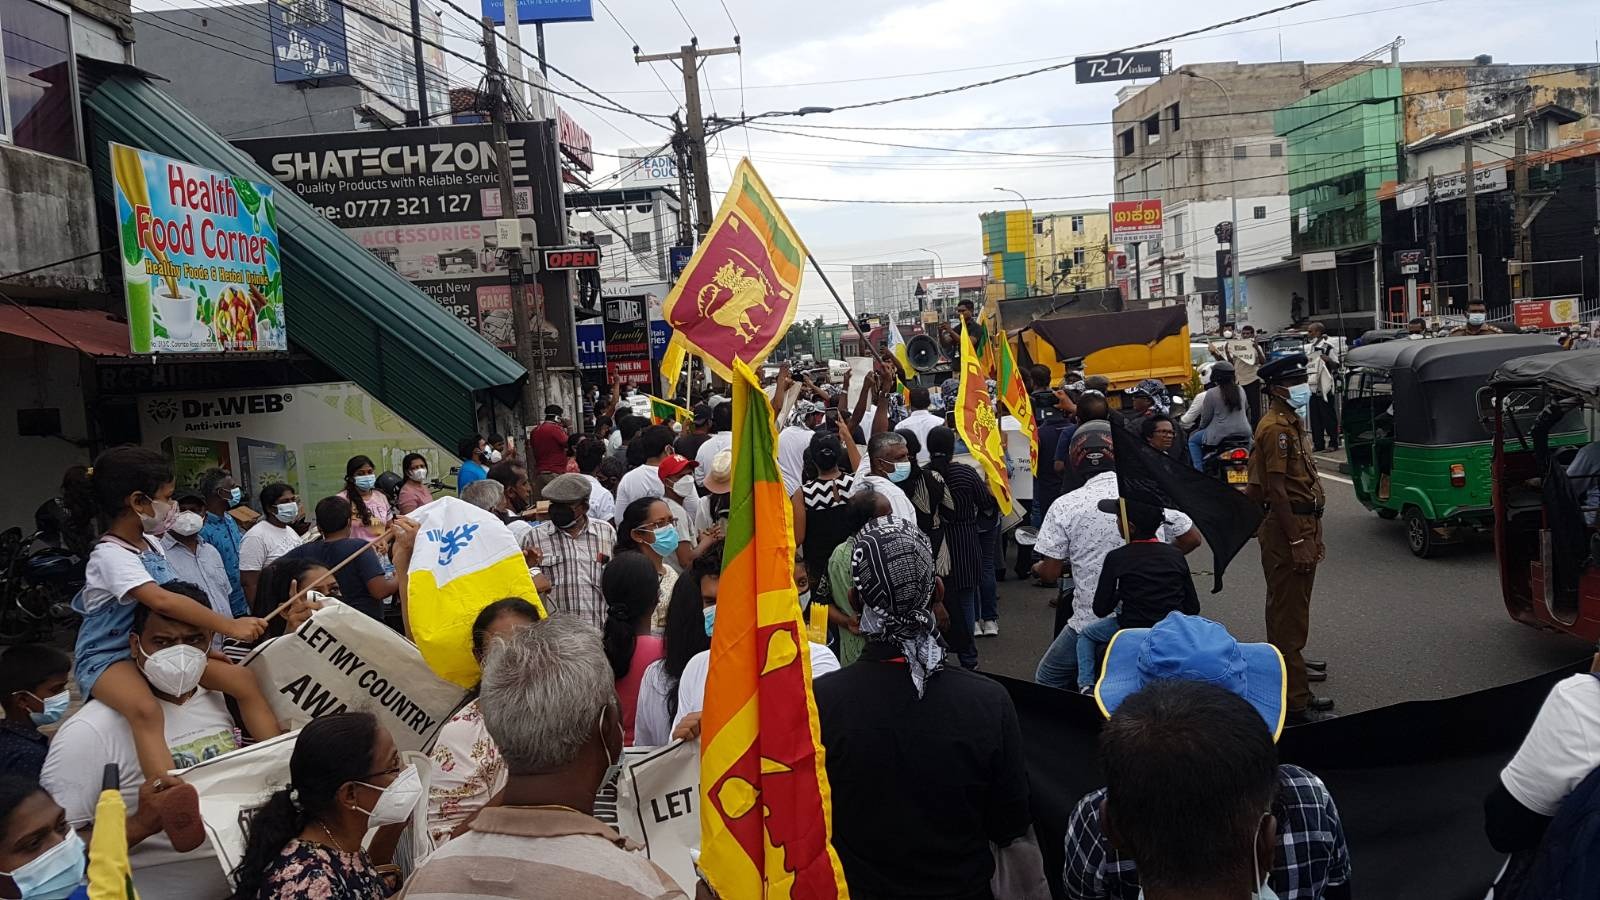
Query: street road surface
{"points": [[1391, 627]]}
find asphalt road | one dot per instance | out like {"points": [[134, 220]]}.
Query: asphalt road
{"points": [[1392, 627]]}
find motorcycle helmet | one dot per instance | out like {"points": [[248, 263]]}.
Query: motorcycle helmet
{"points": [[389, 483]]}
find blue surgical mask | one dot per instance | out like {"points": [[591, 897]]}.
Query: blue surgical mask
{"points": [[1300, 396], [287, 512], [235, 497], [902, 471], [666, 540], [55, 706], [365, 482], [55, 873], [1476, 318], [711, 618]]}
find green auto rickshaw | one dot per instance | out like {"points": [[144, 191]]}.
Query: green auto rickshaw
{"points": [[1414, 439]]}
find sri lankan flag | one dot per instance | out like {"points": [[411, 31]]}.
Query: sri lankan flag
{"points": [[978, 427], [662, 411], [1014, 394], [765, 811], [739, 293]]}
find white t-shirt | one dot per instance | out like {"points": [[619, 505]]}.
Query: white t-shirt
{"points": [[112, 572], [919, 423], [899, 504], [722, 440], [692, 686], [652, 727], [792, 444], [1561, 748], [96, 737], [602, 505], [263, 544], [644, 481]]}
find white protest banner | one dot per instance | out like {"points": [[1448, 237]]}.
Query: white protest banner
{"points": [[859, 367], [656, 797], [341, 660], [232, 786]]}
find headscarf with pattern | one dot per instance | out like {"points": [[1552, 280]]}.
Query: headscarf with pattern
{"points": [[892, 567], [1156, 391]]}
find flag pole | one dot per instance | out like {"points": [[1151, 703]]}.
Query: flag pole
{"points": [[842, 308]]}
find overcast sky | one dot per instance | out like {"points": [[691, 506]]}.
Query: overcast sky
{"points": [[831, 52]]}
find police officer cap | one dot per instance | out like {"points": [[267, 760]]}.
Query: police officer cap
{"points": [[1288, 368]]}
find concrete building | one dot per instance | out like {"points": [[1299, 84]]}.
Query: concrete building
{"points": [[885, 289], [56, 322], [1347, 144], [1193, 139], [635, 227], [247, 73], [1076, 238]]}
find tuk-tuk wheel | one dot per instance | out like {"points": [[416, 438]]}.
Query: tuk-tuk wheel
{"points": [[1419, 533], [1388, 514]]}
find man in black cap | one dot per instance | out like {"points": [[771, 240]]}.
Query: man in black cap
{"points": [[696, 434], [1284, 471]]}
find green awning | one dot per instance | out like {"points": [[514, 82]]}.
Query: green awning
{"points": [[343, 305]]}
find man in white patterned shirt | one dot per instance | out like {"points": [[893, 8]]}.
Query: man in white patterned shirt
{"points": [[575, 550], [1075, 531]]}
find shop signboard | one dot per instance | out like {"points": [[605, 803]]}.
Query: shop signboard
{"points": [[591, 345], [1449, 186], [627, 328], [1133, 221], [576, 145], [200, 267], [425, 201], [1126, 66], [537, 11], [301, 435], [308, 40], [647, 167], [1557, 313]]}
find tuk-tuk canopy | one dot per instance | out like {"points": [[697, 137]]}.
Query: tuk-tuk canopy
{"points": [[1435, 381], [1574, 371]]}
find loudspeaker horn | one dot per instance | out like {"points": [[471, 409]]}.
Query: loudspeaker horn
{"points": [[923, 353]]}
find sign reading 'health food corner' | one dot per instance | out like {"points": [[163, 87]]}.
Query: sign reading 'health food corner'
{"points": [[200, 264]]}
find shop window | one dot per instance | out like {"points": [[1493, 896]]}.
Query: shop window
{"points": [[38, 113]]}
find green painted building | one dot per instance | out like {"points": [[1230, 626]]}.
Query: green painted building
{"points": [[1343, 143]]}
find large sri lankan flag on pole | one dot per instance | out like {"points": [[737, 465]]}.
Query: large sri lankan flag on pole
{"points": [[737, 296], [766, 811]]}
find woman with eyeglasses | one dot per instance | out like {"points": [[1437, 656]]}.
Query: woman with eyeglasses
{"points": [[346, 776], [648, 527]]}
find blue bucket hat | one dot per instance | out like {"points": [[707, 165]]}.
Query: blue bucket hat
{"points": [[1196, 649]]}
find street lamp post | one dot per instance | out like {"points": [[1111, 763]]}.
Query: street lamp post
{"points": [[936, 256], [1233, 193]]}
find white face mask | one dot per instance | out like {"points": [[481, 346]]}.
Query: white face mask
{"points": [[492, 455], [396, 801], [162, 514], [418, 475], [174, 671], [187, 524]]}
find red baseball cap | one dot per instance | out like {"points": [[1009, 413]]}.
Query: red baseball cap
{"points": [[674, 465]]}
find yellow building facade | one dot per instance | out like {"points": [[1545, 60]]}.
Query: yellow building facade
{"points": [[1075, 236]]}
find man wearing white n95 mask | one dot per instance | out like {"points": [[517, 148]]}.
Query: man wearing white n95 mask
{"points": [[171, 655]]}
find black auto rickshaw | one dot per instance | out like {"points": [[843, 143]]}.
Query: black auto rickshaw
{"points": [[1546, 466], [1416, 447]]}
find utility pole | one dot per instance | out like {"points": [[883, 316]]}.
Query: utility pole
{"points": [[688, 59], [680, 151], [1433, 250], [1474, 273], [416, 52], [522, 318], [1520, 282]]}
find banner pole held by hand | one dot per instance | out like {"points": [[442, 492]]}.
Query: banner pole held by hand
{"points": [[331, 572]]}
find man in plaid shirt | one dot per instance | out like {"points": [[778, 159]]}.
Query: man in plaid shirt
{"points": [[1311, 860]]}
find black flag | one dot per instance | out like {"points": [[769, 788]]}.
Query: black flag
{"points": [[1223, 514]]}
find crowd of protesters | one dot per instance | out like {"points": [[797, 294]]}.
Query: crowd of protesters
{"points": [[621, 522]]}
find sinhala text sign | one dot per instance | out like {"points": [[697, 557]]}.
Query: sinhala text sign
{"points": [[200, 266], [1135, 220]]}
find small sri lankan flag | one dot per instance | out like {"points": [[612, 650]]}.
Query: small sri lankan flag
{"points": [[662, 411], [1014, 394], [766, 813]]}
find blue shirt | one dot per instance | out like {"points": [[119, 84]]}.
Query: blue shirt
{"points": [[471, 471], [223, 533]]}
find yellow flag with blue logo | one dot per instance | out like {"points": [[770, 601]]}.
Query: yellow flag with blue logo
{"points": [[465, 559]]}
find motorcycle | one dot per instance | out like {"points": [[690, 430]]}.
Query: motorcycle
{"points": [[1229, 461], [37, 584]]}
